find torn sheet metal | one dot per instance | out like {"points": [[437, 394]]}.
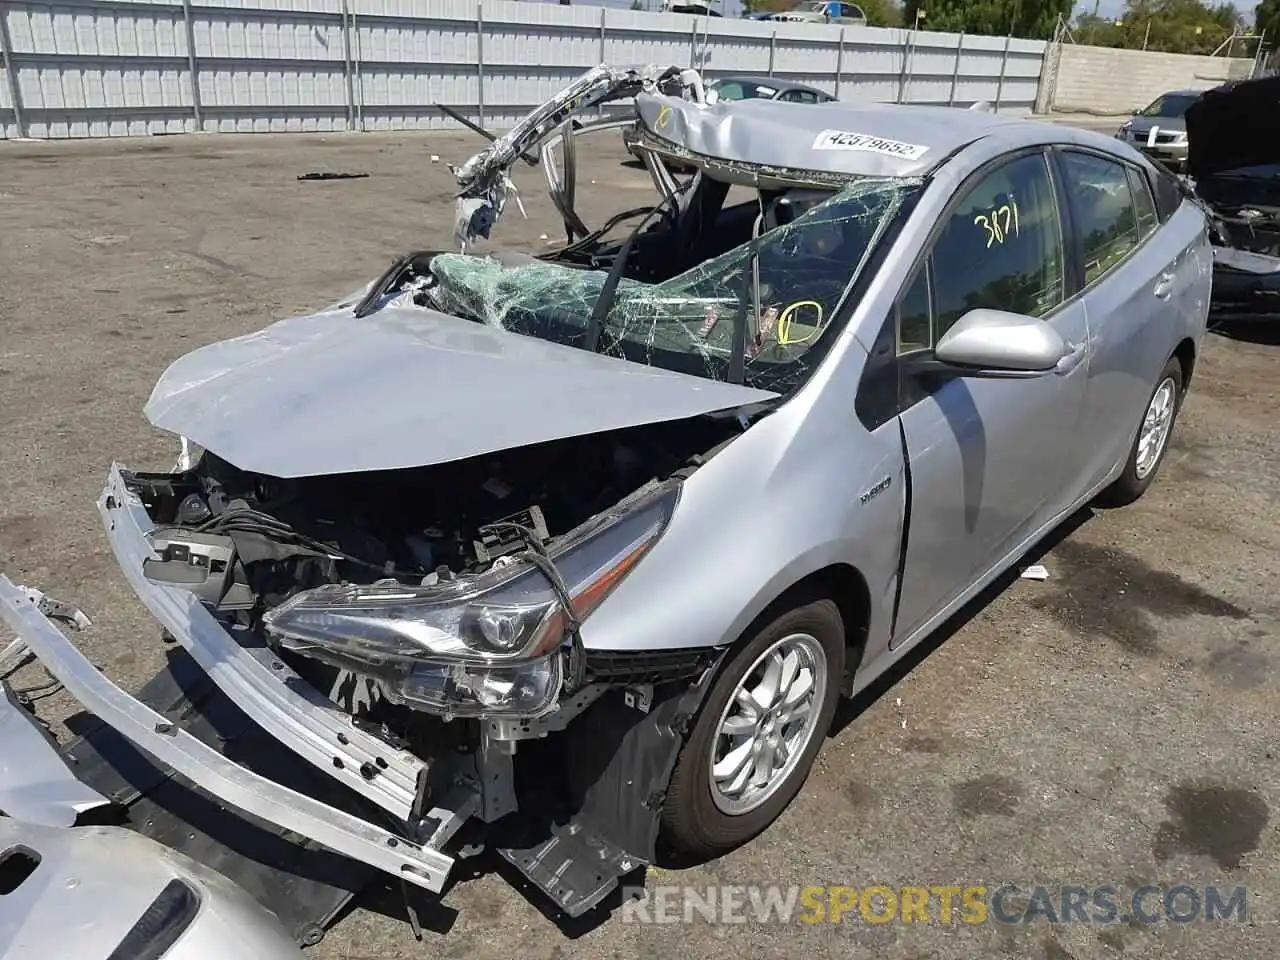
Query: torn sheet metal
{"points": [[96, 892], [35, 785], [407, 387], [823, 137], [484, 181]]}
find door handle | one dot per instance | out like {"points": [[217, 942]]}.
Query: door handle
{"points": [[1072, 359], [1164, 286]]}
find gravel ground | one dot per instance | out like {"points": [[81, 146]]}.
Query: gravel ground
{"points": [[1115, 724]]}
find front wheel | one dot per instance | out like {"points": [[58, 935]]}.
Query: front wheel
{"points": [[758, 732], [1152, 440]]}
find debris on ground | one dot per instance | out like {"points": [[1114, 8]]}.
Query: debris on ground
{"points": [[1037, 571], [331, 175]]}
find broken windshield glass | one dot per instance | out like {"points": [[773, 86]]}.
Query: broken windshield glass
{"points": [[788, 285]]}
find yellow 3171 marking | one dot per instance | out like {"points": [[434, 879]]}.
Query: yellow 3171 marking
{"points": [[999, 223]]}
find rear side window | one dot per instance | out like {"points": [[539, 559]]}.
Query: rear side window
{"points": [[1143, 203], [1105, 211], [1168, 194]]}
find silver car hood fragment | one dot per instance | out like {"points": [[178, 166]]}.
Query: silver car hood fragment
{"points": [[35, 785], [91, 885], [407, 387]]}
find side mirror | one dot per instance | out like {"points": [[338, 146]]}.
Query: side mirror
{"points": [[993, 343]]}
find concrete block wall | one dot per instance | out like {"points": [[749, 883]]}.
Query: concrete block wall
{"points": [[1104, 80]]}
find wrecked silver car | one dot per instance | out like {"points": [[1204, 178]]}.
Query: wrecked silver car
{"points": [[578, 551]]}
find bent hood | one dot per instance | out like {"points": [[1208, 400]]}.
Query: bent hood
{"points": [[407, 387], [1226, 127]]}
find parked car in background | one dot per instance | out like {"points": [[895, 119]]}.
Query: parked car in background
{"points": [[820, 11], [1160, 129], [697, 9], [748, 88]]}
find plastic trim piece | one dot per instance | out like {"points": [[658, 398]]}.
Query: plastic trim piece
{"points": [[205, 767], [260, 684]]}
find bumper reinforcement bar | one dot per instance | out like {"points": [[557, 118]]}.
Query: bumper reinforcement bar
{"points": [[205, 767], [260, 683]]}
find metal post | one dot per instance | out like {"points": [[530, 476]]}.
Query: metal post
{"points": [[603, 57], [1146, 36], [839, 62], [1004, 62], [773, 49], [192, 67], [359, 80], [906, 60], [11, 74], [346, 67], [480, 62], [1257, 54], [955, 72]]}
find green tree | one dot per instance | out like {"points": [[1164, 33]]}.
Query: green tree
{"points": [[1169, 26], [1034, 19], [1266, 16]]}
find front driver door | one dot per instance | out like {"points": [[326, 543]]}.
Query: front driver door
{"points": [[989, 459]]}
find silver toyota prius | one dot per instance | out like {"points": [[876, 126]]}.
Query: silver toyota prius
{"points": [[585, 546]]}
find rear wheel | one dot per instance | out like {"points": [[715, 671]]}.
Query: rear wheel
{"points": [[759, 730], [1152, 441]]}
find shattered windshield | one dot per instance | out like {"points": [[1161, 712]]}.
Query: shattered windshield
{"points": [[786, 287]]}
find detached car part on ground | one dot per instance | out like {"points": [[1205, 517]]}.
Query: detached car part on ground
{"points": [[584, 547], [1234, 170], [104, 892]]}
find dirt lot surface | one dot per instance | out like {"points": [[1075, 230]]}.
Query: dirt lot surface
{"points": [[1117, 724]]}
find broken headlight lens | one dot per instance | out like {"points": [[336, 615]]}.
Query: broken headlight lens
{"points": [[525, 689], [508, 616]]}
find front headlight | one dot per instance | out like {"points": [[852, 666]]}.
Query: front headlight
{"points": [[496, 635]]}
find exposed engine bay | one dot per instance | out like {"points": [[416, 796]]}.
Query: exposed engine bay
{"points": [[1234, 171], [266, 538]]}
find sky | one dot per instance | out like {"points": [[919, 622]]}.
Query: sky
{"points": [[1110, 8]]}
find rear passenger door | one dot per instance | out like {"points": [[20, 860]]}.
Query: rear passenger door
{"points": [[1132, 276]]}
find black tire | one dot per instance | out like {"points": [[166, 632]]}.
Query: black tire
{"points": [[1128, 487], [691, 821]]}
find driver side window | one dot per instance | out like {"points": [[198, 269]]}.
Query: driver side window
{"points": [[1001, 249]]}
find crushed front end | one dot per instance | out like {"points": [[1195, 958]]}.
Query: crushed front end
{"points": [[409, 633]]}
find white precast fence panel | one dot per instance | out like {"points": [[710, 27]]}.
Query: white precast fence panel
{"points": [[93, 68]]}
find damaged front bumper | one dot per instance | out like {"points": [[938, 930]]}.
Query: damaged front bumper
{"points": [[271, 695]]}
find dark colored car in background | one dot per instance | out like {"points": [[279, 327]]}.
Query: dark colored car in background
{"points": [[1233, 163]]}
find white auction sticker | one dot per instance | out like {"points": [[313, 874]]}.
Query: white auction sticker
{"points": [[844, 140]]}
